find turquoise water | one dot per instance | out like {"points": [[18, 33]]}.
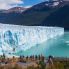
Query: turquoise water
{"points": [[58, 47]]}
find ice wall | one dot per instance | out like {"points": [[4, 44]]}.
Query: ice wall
{"points": [[14, 38]]}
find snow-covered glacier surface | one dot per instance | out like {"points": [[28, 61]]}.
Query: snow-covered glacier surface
{"points": [[14, 38]]}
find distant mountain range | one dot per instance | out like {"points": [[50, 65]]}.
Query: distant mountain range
{"points": [[14, 10], [48, 13]]}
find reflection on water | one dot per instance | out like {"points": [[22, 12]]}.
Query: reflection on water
{"points": [[58, 47]]}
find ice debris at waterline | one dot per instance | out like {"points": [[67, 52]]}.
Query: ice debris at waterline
{"points": [[14, 38]]}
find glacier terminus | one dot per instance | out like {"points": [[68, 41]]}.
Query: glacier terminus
{"points": [[15, 38]]}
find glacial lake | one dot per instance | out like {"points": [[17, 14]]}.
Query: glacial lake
{"points": [[57, 47]]}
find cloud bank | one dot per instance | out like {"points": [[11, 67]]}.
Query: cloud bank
{"points": [[6, 4]]}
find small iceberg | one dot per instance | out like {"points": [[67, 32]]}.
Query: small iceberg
{"points": [[67, 42]]}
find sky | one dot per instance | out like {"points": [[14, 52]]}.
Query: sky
{"points": [[6, 4]]}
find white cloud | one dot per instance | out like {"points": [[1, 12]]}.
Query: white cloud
{"points": [[6, 4]]}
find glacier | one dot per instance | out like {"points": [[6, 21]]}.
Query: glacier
{"points": [[15, 38]]}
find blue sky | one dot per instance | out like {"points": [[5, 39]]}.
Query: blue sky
{"points": [[31, 2], [6, 4]]}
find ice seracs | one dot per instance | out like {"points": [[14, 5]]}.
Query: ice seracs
{"points": [[14, 38]]}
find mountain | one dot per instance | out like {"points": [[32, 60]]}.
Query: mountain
{"points": [[14, 10], [58, 18], [48, 13]]}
